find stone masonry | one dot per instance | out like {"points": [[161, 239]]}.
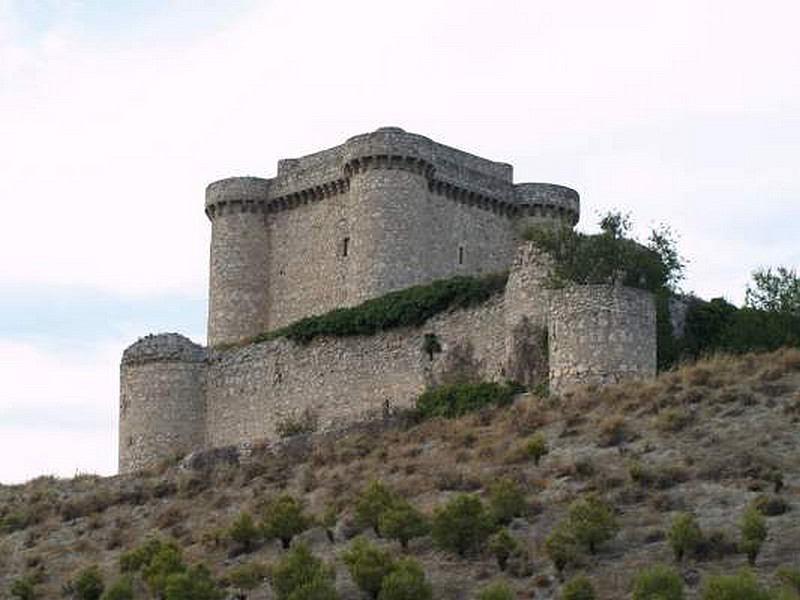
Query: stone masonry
{"points": [[381, 212]]}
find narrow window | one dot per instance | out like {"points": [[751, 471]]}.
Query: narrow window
{"points": [[345, 246], [461, 255]]}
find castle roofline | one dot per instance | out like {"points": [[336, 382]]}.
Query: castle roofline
{"points": [[164, 347]]}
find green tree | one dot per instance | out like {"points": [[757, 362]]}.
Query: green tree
{"points": [[319, 588], [742, 586], [167, 561], [502, 546], [497, 590], [88, 583], [684, 535], [659, 582], [506, 501], [196, 583], [561, 547], [402, 522], [298, 569], [121, 589], [753, 528], [461, 525], [578, 588], [23, 588], [283, 519], [536, 448], [406, 582], [592, 522], [368, 565], [373, 500], [775, 290], [244, 532]]}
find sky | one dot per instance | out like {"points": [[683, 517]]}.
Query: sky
{"points": [[114, 115]]}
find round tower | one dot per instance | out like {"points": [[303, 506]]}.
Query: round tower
{"points": [[546, 204], [162, 400], [389, 172], [601, 334], [238, 279]]}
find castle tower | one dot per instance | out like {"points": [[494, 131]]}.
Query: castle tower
{"points": [[546, 204], [238, 279], [389, 171], [601, 334], [162, 400]]}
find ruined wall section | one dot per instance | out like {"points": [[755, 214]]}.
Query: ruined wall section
{"points": [[162, 409], [340, 380], [601, 334]]}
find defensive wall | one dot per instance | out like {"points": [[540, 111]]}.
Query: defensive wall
{"points": [[178, 397]]}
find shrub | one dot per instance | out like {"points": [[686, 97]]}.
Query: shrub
{"points": [[456, 399], [297, 570], [502, 546], [742, 586], [497, 590], [373, 500], [506, 501], [561, 547], [753, 528], [536, 448], [790, 577], [283, 519], [196, 583], [88, 583], [23, 588], [592, 522], [771, 506], [244, 532], [306, 421], [319, 588], [578, 588], [167, 561], [462, 525], [613, 431], [134, 560], [368, 566], [659, 582], [685, 535], [410, 307], [247, 576], [121, 589], [402, 522], [406, 582]]}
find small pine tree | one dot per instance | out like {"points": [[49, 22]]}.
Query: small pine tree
{"points": [[578, 588], [167, 561], [406, 582], [368, 565], [506, 501], [402, 522], [461, 525], [685, 535], [497, 590], [244, 532], [319, 588], [296, 570], [561, 547], [659, 582], [502, 546], [592, 522], [88, 583], [742, 586], [23, 588], [373, 500], [121, 589], [537, 448], [196, 583], [283, 519], [753, 527]]}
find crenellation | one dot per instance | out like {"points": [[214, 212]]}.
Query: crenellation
{"points": [[381, 212]]}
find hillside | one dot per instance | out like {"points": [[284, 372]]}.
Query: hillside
{"points": [[711, 438]]}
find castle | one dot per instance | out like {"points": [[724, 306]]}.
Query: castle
{"points": [[381, 212]]}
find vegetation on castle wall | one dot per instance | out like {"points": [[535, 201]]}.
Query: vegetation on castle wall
{"points": [[456, 399], [410, 307]]}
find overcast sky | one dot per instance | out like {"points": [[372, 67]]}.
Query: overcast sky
{"points": [[115, 115]]}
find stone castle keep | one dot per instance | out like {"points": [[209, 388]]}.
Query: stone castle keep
{"points": [[382, 212]]}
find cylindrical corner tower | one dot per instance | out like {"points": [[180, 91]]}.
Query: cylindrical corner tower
{"points": [[546, 204], [238, 279], [389, 171], [601, 334], [162, 400]]}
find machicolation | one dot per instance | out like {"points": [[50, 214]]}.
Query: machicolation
{"points": [[382, 212]]}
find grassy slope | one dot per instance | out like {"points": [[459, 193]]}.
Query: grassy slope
{"points": [[713, 431]]}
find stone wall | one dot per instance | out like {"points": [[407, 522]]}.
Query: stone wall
{"points": [[600, 334], [162, 405]]}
